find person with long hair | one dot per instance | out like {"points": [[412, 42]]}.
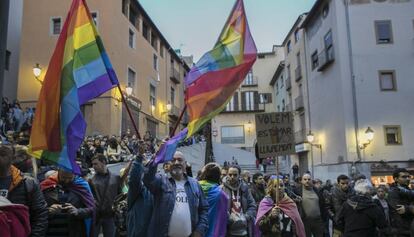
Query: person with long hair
{"points": [[280, 219], [217, 200]]}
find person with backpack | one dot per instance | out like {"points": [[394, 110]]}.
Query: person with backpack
{"points": [[105, 187], [21, 189]]}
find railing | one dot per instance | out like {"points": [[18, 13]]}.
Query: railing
{"points": [[299, 103], [252, 81], [325, 58], [246, 108], [288, 83], [300, 136], [298, 73], [175, 75]]}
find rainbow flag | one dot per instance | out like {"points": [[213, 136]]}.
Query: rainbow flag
{"points": [[211, 83], [79, 71], [167, 150], [218, 206]]}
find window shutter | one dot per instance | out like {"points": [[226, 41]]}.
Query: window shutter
{"points": [[243, 99], [256, 100], [236, 101]]}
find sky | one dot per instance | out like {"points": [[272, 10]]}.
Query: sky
{"points": [[193, 26]]}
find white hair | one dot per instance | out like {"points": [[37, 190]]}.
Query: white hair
{"points": [[363, 186], [179, 154]]}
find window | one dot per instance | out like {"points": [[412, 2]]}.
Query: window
{"points": [[125, 7], [94, 16], [7, 63], [277, 87], [288, 71], [265, 98], [278, 108], [328, 40], [283, 105], [172, 95], [383, 31], [131, 78], [155, 62], [387, 81], [392, 135], [314, 59], [133, 16], [161, 50], [56, 26], [145, 30], [131, 39], [153, 97], [297, 37], [282, 82], [233, 104], [289, 46], [154, 41], [249, 78], [250, 100], [232, 134]]}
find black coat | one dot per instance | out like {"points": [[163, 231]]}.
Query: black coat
{"points": [[399, 195], [360, 216], [28, 193]]}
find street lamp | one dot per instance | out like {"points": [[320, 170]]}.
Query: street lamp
{"points": [[369, 136], [37, 71], [128, 90], [169, 106], [310, 137]]}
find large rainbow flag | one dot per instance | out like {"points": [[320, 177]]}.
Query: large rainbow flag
{"points": [[79, 71], [213, 80]]}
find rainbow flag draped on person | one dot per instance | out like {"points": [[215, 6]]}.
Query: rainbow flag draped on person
{"points": [[79, 71], [213, 80], [218, 206]]}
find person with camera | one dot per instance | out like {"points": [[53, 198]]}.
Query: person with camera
{"points": [[70, 203]]}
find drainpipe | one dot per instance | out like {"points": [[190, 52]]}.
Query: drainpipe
{"points": [[351, 67]]}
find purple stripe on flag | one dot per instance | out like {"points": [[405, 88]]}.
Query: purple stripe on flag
{"points": [[167, 150], [74, 137], [94, 89]]}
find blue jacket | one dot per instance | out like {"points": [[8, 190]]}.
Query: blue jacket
{"points": [[140, 202], [164, 191]]}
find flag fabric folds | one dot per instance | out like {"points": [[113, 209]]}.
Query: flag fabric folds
{"points": [[79, 71], [211, 83], [218, 206], [167, 150]]}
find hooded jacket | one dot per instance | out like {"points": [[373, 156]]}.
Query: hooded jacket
{"points": [[25, 190], [14, 219], [248, 203], [360, 216]]}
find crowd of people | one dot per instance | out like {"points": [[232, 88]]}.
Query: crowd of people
{"points": [[220, 201]]}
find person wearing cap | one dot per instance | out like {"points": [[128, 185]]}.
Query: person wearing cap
{"points": [[180, 208]]}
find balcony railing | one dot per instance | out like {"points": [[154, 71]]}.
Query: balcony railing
{"points": [[175, 76], [250, 81], [299, 103], [300, 136], [245, 108], [288, 83], [298, 73], [325, 58], [174, 112]]}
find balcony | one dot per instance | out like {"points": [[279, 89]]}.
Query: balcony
{"points": [[174, 112], [244, 108], [175, 76], [299, 103], [298, 73], [300, 136], [288, 84], [326, 58], [250, 81]]}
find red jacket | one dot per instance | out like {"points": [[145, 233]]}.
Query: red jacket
{"points": [[14, 219]]}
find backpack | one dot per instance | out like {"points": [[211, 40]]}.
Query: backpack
{"points": [[120, 209]]}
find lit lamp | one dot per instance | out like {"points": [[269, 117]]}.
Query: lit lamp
{"points": [[128, 90], [37, 71], [369, 136], [169, 106], [249, 126], [310, 137], [152, 108]]}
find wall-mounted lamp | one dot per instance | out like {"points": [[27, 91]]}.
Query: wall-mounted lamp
{"points": [[152, 108], [169, 106], [310, 137], [369, 136], [128, 90], [37, 71]]}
